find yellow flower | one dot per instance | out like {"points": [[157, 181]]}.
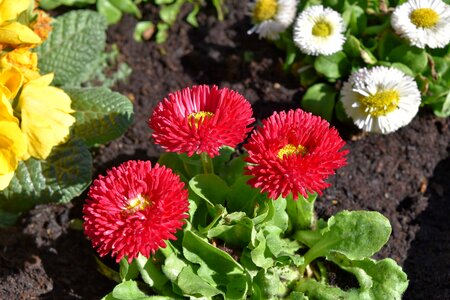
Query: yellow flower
{"points": [[12, 32], [11, 81], [45, 115], [13, 146], [24, 60]]}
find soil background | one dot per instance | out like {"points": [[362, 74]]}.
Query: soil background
{"points": [[404, 175]]}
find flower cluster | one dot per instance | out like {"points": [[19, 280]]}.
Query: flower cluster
{"points": [[34, 116], [135, 208]]}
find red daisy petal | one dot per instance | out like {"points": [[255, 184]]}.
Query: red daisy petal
{"points": [[134, 208], [293, 152], [201, 119]]}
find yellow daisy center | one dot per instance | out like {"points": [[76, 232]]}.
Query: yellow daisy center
{"points": [[140, 202], [381, 103], [290, 149], [322, 29], [196, 117], [424, 17], [264, 10]]}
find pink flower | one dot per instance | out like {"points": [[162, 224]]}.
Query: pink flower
{"points": [[293, 152], [133, 209], [201, 119]]}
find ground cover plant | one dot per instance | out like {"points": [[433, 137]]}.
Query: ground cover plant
{"points": [[388, 160]]}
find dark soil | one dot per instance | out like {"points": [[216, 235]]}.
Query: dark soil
{"points": [[404, 175]]}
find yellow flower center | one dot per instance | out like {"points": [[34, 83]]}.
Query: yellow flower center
{"points": [[381, 103], [424, 17], [322, 29], [197, 117], [290, 149], [264, 10], [140, 202]]}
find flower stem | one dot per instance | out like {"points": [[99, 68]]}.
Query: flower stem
{"points": [[208, 167], [308, 237]]}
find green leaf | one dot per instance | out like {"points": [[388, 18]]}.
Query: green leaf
{"points": [[52, 4], [173, 266], [301, 211], [110, 113], [127, 6], [316, 290], [141, 29], [169, 13], [356, 234], [192, 16], [415, 58], [192, 285], [352, 46], [173, 161], [65, 174], [162, 33], [217, 267], [333, 66], [261, 255], [210, 187], [442, 109], [355, 19], [241, 196], [234, 229], [128, 271], [73, 47], [319, 99], [128, 290], [8, 219], [111, 13]]}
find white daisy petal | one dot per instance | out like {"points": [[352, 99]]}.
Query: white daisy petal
{"points": [[319, 30], [271, 17], [423, 22], [380, 99]]}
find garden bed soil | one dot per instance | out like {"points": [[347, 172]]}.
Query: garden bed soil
{"points": [[404, 175]]}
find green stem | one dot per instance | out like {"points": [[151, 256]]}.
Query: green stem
{"points": [[308, 237], [208, 167], [168, 250]]}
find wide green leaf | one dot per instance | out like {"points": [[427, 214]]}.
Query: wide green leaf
{"points": [[415, 58], [319, 99], [355, 234], [333, 66], [209, 187], [73, 47], [65, 174], [102, 115]]}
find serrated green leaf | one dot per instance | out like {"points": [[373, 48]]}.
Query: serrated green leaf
{"points": [[65, 174], [319, 99], [73, 47], [192, 285], [110, 113], [261, 255]]}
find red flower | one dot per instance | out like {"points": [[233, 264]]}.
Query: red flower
{"points": [[200, 119], [133, 209], [293, 152]]}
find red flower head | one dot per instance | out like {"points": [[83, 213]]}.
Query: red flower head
{"points": [[293, 152], [133, 209], [200, 119]]}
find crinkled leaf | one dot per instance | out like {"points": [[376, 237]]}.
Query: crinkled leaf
{"points": [[173, 266], [109, 113], [319, 99], [355, 234], [191, 284], [73, 47], [316, 290], [261, 255], [65, 174]]}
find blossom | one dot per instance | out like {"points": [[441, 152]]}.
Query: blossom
{"points": [[271, 17], [133, 209], [12, 142], [380, 99], [423, 22], [11, 80], [201, 119], [11, 31], [293, 152], [319, 30], [45, 115], [23, 60]]}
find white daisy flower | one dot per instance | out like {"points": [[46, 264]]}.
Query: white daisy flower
{"points": [[423, 22], [319, 31], [380, 99], [271, 17]]}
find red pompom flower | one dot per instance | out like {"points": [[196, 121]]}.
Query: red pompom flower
{"points": [[133, 209], [293, 152], [201, 120]]}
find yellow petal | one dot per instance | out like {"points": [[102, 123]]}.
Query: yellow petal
{"points": [[6, 111], [5, 179], [12, 146], [11, 80], [45, 116], [22, 59], [10, 9], [14, 33]]}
